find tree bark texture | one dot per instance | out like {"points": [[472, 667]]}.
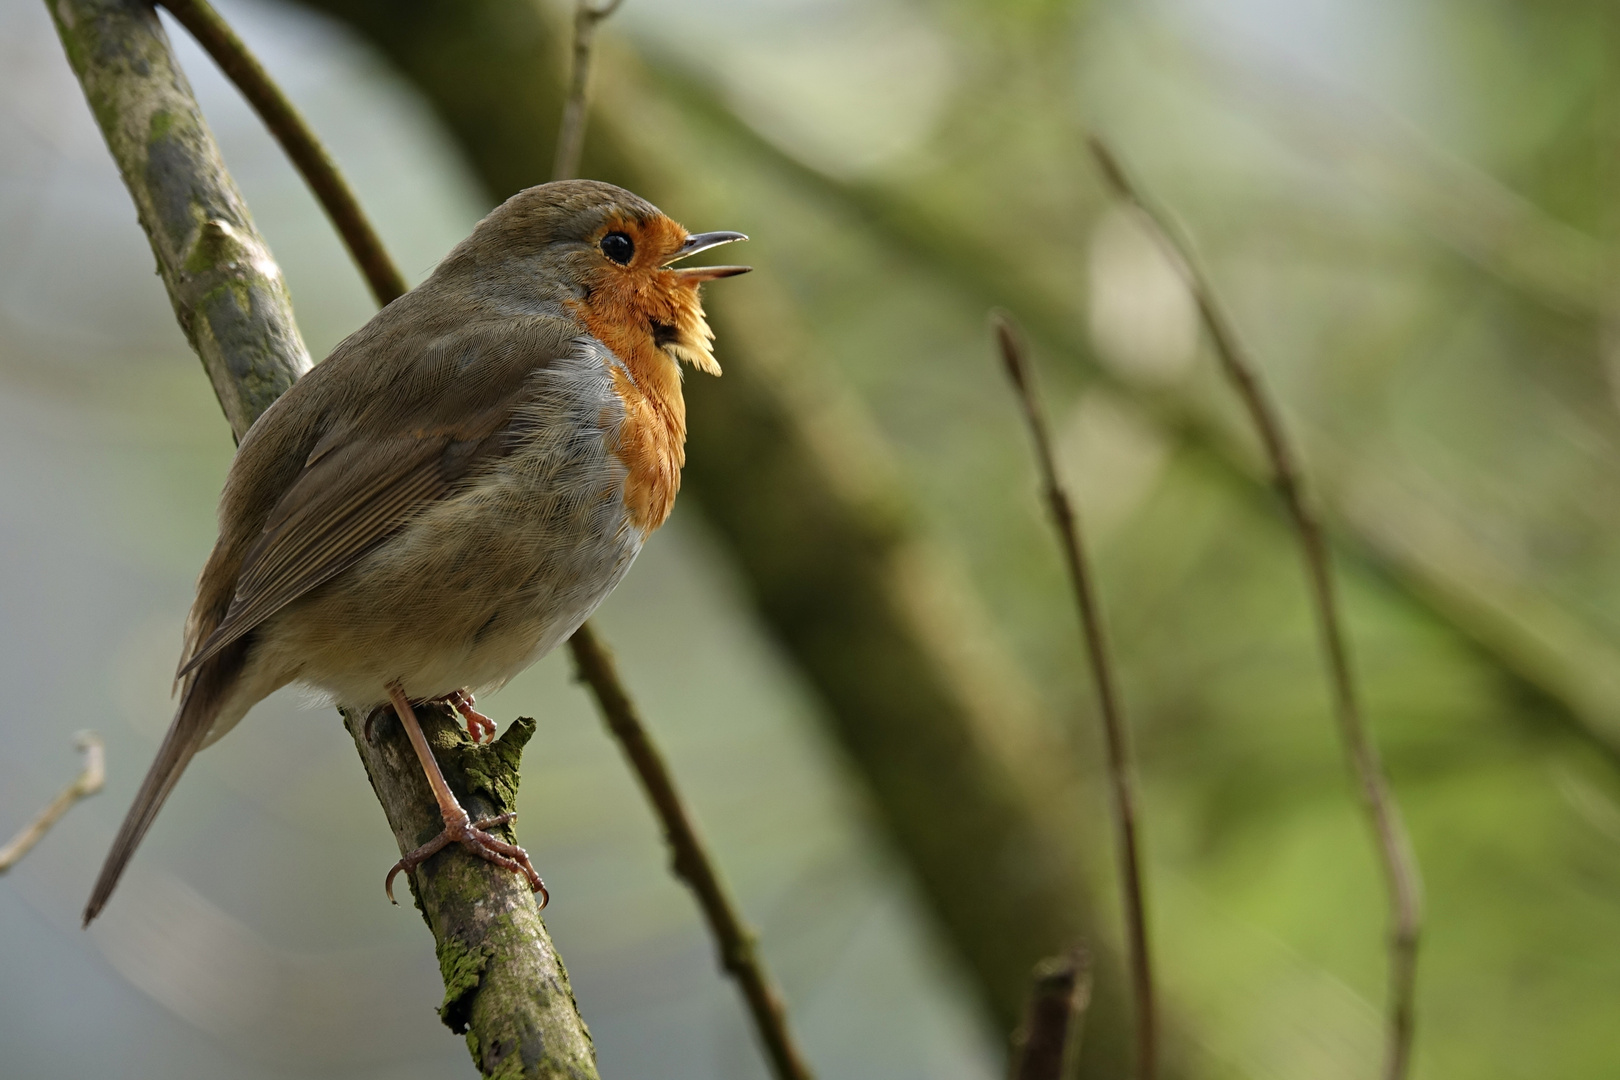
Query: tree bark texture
{"points": [[505, 986], [227, 291], [983, 812]]}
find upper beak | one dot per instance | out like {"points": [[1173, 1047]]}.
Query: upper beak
{"points": [[703, 242]]}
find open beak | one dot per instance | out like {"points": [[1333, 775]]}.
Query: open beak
{"points": [[703, 242]]}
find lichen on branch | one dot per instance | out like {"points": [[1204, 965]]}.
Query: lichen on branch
{"points": [[227, 290], [511, 999]]}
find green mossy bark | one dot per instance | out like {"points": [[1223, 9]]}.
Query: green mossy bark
{"points": [[505, 986], [227, 292]]}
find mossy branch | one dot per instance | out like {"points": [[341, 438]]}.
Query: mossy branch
{"points": [[227, 291], [505, 985]]}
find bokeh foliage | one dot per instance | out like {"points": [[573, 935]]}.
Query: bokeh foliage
{"points": [[1411, 210]]}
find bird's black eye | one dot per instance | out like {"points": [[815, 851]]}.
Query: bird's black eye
{"points": [[618, 247]]}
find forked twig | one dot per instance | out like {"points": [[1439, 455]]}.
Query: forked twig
{"points": [[1394, 848], [690, 860], [571, 133], [595, 664], [89, 781], [289, 129], [1119, 768], [1046, 1045]]}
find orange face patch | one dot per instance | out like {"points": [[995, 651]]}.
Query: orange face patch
{"points": [[650, 318]]}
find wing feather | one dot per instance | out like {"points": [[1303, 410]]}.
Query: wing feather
{"points": [[362, 482]]}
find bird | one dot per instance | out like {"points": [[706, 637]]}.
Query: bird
{"points": [[453, 490]]}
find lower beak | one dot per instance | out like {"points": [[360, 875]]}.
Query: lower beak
{"points": [[703, 242], [709, 273]]}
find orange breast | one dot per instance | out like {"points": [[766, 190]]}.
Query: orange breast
{"points": [[652, 440], [648, 315]]}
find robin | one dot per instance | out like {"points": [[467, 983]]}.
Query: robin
{"points": [[453, 490]]}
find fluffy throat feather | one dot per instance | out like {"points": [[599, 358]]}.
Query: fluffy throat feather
{"points": [[650, 326]]}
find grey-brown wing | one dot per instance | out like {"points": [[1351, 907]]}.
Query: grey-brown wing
{"points": [[366, 479], [351, 499]]}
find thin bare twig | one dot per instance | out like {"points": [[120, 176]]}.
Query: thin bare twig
{"points": [[571, 133], [595, 664], [690, 860], [290, 130], [1394, 848], [1047, 1044], [1119, 768], [89, 781]]}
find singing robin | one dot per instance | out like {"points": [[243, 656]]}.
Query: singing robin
{"points": [[454, 489]]}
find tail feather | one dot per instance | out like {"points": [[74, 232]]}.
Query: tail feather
{"points": [[199, 707]]}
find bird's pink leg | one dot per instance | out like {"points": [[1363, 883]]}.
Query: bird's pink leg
{"points": [[459, 828]]}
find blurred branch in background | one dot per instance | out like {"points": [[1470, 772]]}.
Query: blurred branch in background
{"points": [[289, 129], [591, 657], [571, 132], [690, 858], [504, 983], [1452, 200], [968, 780], [1547, 650], [89, 781], [1120, 782], [1383, 814], [1045, 1045]]}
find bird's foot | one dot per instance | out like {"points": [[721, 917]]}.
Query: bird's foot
{"points": [[472, 835], [479, 726]]}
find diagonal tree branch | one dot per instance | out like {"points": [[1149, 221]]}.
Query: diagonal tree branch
{"points": [[690, 858], [1383, 814], [227, 292], [505, 986]]}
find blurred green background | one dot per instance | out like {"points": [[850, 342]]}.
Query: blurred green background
{"points": [[1413, 211]]}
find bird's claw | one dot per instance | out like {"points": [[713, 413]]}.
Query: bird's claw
{"points": [[480, 727], [472, 836]]}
